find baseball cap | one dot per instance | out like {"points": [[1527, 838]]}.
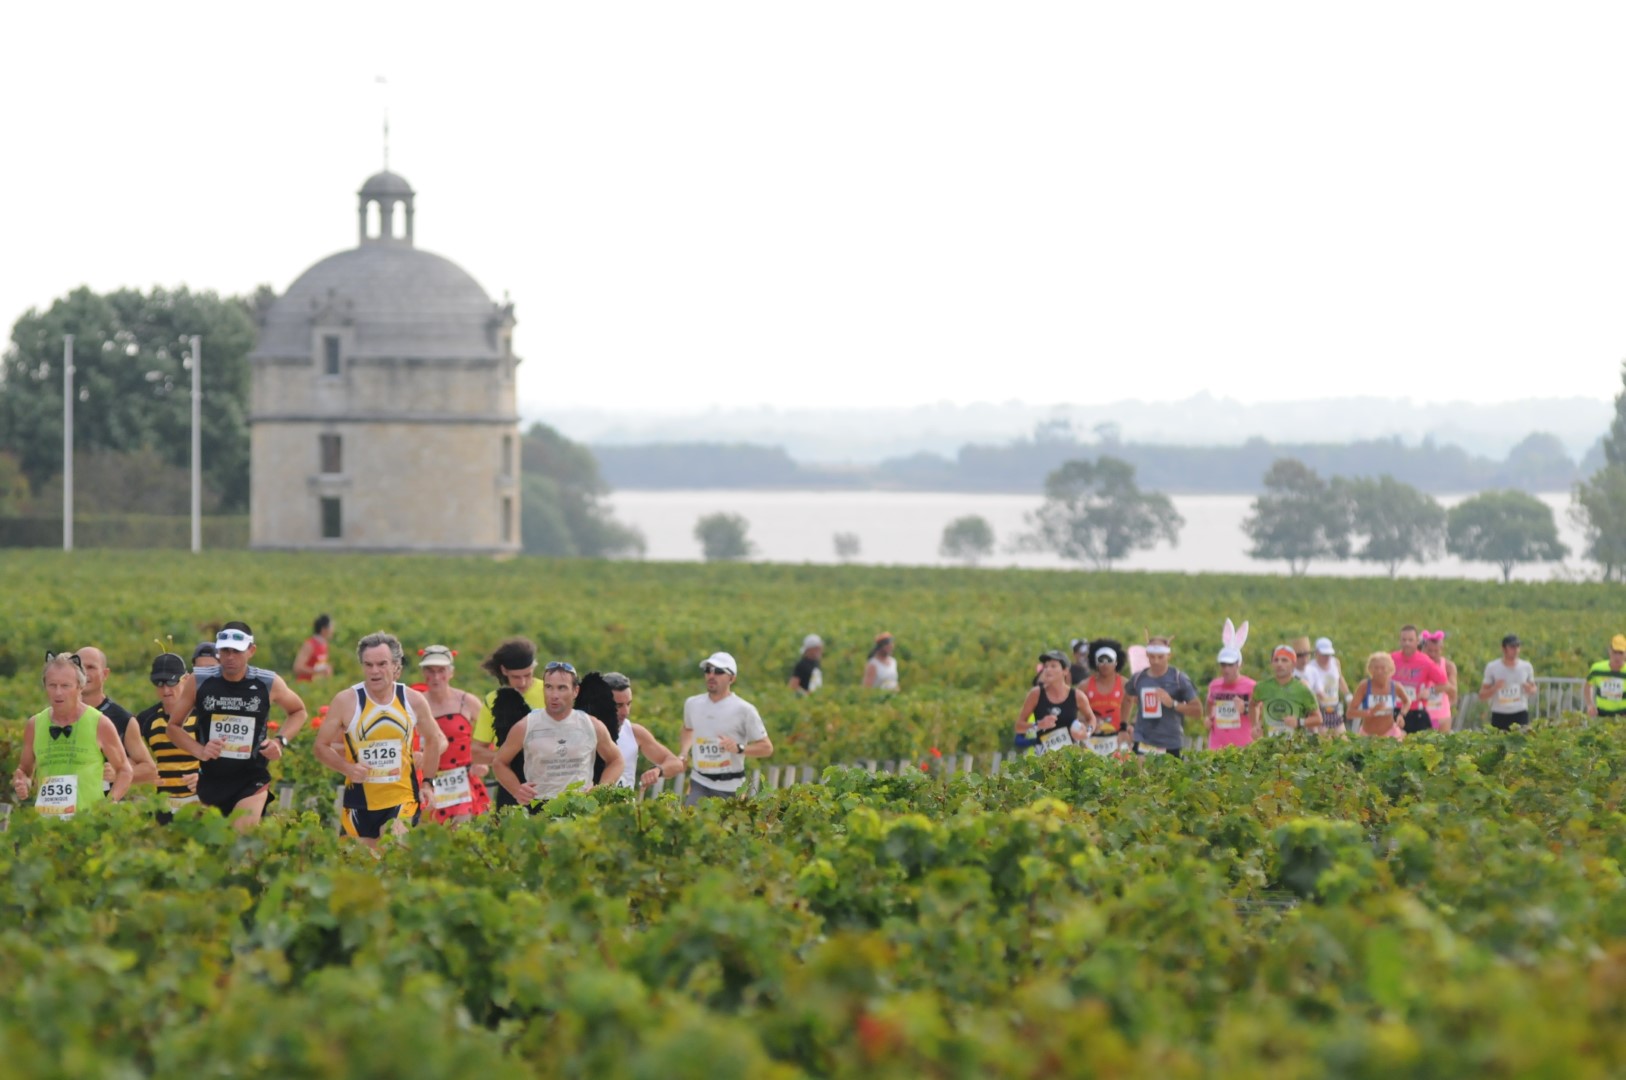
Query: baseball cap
{"points": [[1079, 644], [1054, 654], [1229, 655], [1618, 643], [1323, 645], [167, 668], [435, 656], [205, 648], [239, 640], [1511, 639], [721, 660], [811, 641]]}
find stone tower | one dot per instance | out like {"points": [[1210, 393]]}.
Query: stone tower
{"points": [[383, 412]]}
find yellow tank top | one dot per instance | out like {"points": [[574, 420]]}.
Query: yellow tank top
{"points": [[380, 736]]}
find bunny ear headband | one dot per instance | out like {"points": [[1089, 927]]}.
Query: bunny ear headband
{"points": [[1233, 638], [1433, 635], [1158, 644]]}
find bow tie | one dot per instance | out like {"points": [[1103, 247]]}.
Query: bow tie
{"points": [[61, 732]]}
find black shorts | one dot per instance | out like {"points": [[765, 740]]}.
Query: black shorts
{"points": [[370, 824], [1417, 719], [1502, 721], [225, 791]]}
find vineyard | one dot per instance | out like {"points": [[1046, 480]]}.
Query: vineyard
{"points": [[1440, 906]]}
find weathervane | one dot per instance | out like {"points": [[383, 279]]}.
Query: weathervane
{"points": [[382, 81]]}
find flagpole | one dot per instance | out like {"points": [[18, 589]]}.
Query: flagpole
{"points": [[197, 444], [67, 442]]}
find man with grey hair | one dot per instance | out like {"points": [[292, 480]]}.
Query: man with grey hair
{"points": [[233, 706], [632, 739], [94, 664], [367, 737], [721, 729]]}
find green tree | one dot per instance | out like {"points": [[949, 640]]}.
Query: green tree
{"points": [[561, 513], [1539, 463], [968, 539], [1394, 521], [14, 489], [1094, 512], [1298, 518], [1598, 507], [1614, 444], [1505, 528], [132, 382], [723, 537]]}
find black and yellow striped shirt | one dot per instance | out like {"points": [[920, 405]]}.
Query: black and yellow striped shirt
{"points": [[173, 763]]}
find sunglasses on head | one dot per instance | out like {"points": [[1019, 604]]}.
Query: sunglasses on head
{"points": [[558, 665]]}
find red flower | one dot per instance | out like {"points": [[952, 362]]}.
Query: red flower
{"points": [[936, 752], [925, 766]]}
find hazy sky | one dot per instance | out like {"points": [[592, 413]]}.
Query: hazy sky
{"points": [[707, 204]]}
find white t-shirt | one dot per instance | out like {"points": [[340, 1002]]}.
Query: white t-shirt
{"points": [[886, 672], [1509, 682], [627, 743], [1323, 682], [711, 720]]}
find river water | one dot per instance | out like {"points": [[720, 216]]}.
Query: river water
{"points": [[904, 528]]}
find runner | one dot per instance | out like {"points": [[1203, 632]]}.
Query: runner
{"points": [[65, 744], [1079, 669], [1060, 713], [1325, 678], [559, 742], [807, 677], [204, 661], [1416, 672], [1163, 697], [374, 722], [231, 738], [1230, 717], [1284, 702], [94, 664], [881, 669], [1302, 655], [1508, 686], [1605, 687], [1105, 689], [519, 691], [722, 729], [177, 770], [311, 662], [458, 790], [1380, 699], [1442, 700], [633, 739]]}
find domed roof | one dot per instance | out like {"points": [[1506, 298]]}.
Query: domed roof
{"points": [[385, 183], [402, 303]]}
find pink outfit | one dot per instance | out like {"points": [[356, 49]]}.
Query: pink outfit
{"points": [[1416, 671], [1241, 693]]}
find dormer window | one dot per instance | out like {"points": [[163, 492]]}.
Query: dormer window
{"points": [[330, 354]]}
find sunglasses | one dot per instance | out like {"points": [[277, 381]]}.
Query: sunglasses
{"points": [[558, 665], [709, 670], [174, 680]]}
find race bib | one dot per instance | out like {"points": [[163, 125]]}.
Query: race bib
{"points": [[1509, 693], [383, 761], [1613, 689], [451, 788], [1055, 739], [238, 734], [1228, 713], [1149, 749], [1383, 701], [709, 755], [58, 796], [1104, 745], [1151, 706], [1436, 697]]}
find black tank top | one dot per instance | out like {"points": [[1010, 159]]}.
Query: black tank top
{"points": [[1065, 712], [222, 707]]}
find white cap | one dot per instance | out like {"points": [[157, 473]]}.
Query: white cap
{"points": [[811, 641], [234, 639], [1323, 645], [1227, 656], [721, 660]]}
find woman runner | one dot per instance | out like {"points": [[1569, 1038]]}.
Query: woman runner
{"points": [[458, 791], [1104, 690], [1380, 701], [1060, 713]]}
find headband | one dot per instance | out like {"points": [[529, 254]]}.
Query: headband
{"points": [[1433, 635], [1284, 650], [1158, 650], [1106, 652]]}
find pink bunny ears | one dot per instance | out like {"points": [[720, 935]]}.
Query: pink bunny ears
{"points": [[1233, 639]]}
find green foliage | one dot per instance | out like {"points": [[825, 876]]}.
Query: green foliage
{"points": [[723, 537], [560, 512], [1093, 512], [1395, 521], [15, 492], [136, 481], [967, 539], [1505, 528], [1599, 508], [132, 382], [1297, 519], [130, 531], [1614, 443]]}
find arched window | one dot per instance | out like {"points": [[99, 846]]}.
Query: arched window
{"points": [[400, 219], [374, 220]]}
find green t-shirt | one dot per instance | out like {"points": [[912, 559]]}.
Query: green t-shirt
{"points": [[1608, 689], [1281, 702]]}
